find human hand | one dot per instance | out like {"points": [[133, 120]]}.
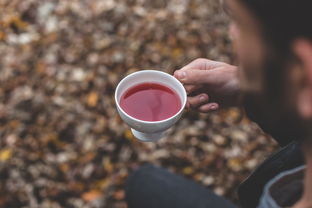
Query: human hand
{"points": [[209, 84]]}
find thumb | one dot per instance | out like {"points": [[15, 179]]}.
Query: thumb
{"points": [[195, 76]]}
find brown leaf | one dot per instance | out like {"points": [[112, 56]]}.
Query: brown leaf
{"points": [[5, 155], [119, 195], [79, 187], [108, 166], [103, 184], [128, 134], [188, 170], [16, 20], [91, 195], [235, 164], [2, 36], [92, 99], [64, 167], [87, 157]]}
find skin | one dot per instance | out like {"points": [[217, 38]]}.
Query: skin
{"points": [[303, 49], [211, 85]]}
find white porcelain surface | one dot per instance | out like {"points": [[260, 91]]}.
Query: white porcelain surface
{"points": [[146, 130]]}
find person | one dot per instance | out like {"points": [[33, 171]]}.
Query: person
{"points": [[273, 42]]}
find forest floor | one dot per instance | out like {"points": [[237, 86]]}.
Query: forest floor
{"points": [[62, 143]]}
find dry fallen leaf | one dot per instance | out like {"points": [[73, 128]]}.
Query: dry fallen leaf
{"points": [[91, 195], [5, 155], [119, 195], [188, 170], [235, 164], [16, 20], [103, 184], [64, 167], [2, 36], [108, 166], [92, 99], [128, 134], [60, 65]]}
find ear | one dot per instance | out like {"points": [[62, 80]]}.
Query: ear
{"points": [[303, 50]]}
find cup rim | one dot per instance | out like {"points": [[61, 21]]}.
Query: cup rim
{"points": [[150, 122]]}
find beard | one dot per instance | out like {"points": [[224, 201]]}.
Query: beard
{"points": [[269, 100]]}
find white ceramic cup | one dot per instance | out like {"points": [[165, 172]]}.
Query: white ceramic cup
{"points": [[149, 131]]}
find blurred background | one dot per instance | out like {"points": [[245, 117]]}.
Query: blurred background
{"points": [[62, 143]]}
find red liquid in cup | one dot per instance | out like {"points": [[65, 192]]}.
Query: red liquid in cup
{"points": [[150, 102]]}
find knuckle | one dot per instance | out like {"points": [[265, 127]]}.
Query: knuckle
{"points": [[200, 59]]}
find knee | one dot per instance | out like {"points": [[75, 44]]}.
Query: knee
{"points": [[140, 176]]}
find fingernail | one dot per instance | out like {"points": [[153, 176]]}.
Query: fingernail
{"points": [[181, 75], [202, 98], [213, 107]]}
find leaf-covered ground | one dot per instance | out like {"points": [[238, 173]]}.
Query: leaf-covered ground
{"points": [[62, 143]]}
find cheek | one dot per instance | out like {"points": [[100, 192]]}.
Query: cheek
{"points": [[250, 55], [299, 94], [304, 105], [247, 44], [249, 50]]}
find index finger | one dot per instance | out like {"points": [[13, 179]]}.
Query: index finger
{"points": [[195, 77], [202, 64]]}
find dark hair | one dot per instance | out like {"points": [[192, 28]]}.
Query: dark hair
{"points": [[282, 21]]}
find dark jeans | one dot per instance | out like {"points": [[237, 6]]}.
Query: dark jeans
{"points": [[153, 187]]}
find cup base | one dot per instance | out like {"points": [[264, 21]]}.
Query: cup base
{"points": [[148, 137]]}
